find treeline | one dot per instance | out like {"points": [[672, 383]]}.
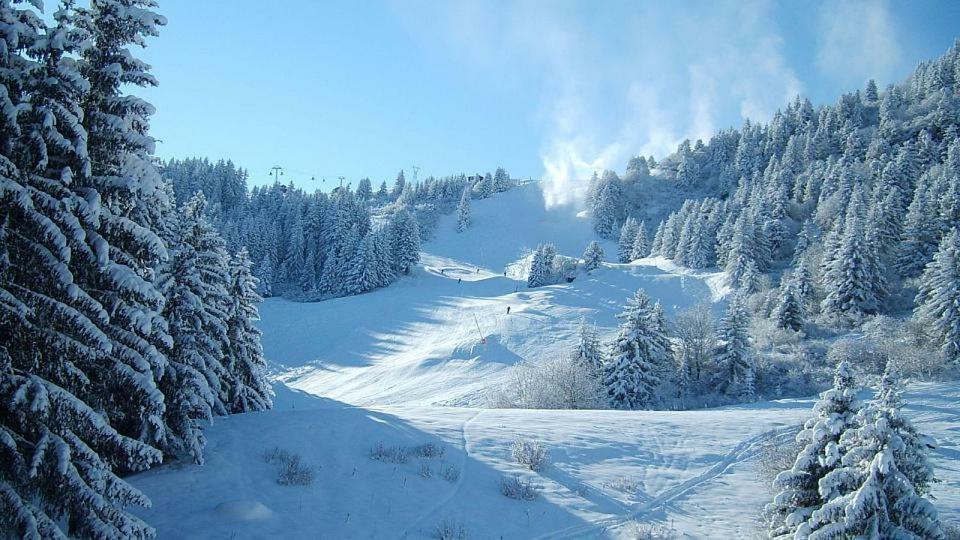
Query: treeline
{"points": [[825, 214], [125, 325], [314, 246]]}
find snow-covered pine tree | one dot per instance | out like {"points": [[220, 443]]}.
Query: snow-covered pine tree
{"points": [[640, 357], [938, 298], [876, 489], [799, 496], [58, 451], [588, 351], [501, 180], [541, 266], [132, 201], [628, 235], [592, 256], [364, 190], [362, 273], [789, 313], [919, 233], [641, 245], [606, 211], [264, 274], [742, 253], [852, 277], [398, 186], [657, 244], [734, 354], [245, 362], [404, 241], [463, 212]]}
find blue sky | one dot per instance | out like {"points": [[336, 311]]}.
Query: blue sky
{"points": [[544, 88]]}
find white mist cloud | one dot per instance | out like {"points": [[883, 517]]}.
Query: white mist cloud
{"points": [[637, 81], [857, 41]]}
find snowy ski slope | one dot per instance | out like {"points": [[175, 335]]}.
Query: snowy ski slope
{"points": [[358, 371]]}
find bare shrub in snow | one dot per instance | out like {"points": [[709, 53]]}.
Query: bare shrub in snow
{"points": [[450, 530], [426, 471], [696, 333], [531, 454], [389, 454], [907, 345], [652, 531], [778, 452], [295, 473], [511, 485], [625, 484], [428, 451], [449, 472], [951, 530], [556, 383], [276, 456]]}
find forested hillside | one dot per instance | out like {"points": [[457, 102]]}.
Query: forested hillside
{"points": [[825, 214], [126, 325], [313, 246]]}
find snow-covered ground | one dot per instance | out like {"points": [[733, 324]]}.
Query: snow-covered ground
{"points": [[442, 335], [376, 368], [692, 470]]}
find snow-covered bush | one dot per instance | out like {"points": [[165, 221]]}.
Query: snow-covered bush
{"points": [[428, 451], [426, 471], [389, 454], [907, 345], [449, 472], [556, 383], [777, 454], [511, 485], [862, 354], [531, 454], [450, 530], [652, 531], [295, 473], [625, 484]]}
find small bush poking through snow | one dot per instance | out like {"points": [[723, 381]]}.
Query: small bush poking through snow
{"points": [[513, 486], [625, 484], [426, 471], [647, 531], [428, 451], [276, 456], [777, 454], [389, 454], [530, 454], [449, 472], [450, 530], [293, 472]]}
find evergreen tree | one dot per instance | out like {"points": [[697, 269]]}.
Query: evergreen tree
{"points": [[501, 180], [640, 358], [641, 245], [191, 382], [404, 242], [605, 213], [799, 496], [734, 354], [363, 274], [541, 266], [938, 298], [250, 390], [592, 256], [870, 493], [398, 186], [919, 235], [59, 452], [264, 276], [587, 351], [364, 190], [789, 313], [852, 277], [628, 235], [463, 212]]}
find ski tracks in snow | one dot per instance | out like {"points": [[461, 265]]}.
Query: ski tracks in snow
{"points": [[740, 453], [464, 461]]}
